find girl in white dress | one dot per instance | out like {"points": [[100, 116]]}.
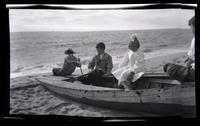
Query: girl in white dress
{"points": [[132, 66]]}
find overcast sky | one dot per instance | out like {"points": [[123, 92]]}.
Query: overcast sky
{"points": [[96, 20]]}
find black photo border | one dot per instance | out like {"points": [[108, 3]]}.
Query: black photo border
{"points": [[39, 4]]}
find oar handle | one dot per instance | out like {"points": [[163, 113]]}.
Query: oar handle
{"points": [[80, 66], [81, 71]]}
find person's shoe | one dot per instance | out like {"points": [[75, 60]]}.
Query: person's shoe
{"points": [[70, 79], [165, 67]]}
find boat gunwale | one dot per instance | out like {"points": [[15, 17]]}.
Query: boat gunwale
{"points": [[114, 90]]}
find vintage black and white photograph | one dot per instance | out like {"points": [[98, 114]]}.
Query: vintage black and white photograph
{"points": [[102, 62]]}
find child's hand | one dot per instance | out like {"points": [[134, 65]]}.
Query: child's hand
{"points": [[90, 68], [189, 61], [186, 60], [106, 74], [78, 64]]}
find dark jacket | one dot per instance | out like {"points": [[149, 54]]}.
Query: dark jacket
{"points": [[180, 73], [105, 64]]}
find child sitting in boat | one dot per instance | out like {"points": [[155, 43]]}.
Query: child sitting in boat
{"points": [[100, 69], [132, 66], [70, 64]]}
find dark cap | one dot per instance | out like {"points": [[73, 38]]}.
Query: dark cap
{"points": [[101, 45], [134, 43], [69, 51]]}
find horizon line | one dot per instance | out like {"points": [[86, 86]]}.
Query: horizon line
{"points": [[100, 30]]}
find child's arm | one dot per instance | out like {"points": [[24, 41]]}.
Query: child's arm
{"points": [[140, 63], [109, 66], [78, 62], [124, 61], [69, 60], [91, 65], [72, 60]]}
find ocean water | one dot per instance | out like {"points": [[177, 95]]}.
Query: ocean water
{"points": [[33, 53], [37, 52]]}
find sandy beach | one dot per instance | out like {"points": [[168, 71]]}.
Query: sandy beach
{"points": [[28, 97]]}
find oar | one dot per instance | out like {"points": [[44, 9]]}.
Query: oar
{"points": [[80, 67], [81, 70]]}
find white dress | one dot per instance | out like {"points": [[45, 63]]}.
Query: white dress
{"points": [[132, 61]]}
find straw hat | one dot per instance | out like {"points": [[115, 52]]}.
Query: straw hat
{"points": [[69, 51]]}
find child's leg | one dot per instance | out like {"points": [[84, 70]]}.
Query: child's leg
{"points": [[95, 76], [126, 80], [56, 71], [176, 72], [126, 85], [130, 76]]}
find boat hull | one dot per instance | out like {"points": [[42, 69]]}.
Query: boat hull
{"points": [[169, 101]]}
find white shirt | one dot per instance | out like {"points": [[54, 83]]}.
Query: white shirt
{"points": [[193, 66], [101, 56], [191, 52]]}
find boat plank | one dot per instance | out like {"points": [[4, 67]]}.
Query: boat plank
{"points": [[176, 94]]}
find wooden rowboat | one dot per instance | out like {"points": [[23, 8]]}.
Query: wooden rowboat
{"points": [[154, 93]]}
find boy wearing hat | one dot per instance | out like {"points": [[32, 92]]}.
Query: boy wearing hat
{"points": [[69, 66], [132, 66], [184, 73]]}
